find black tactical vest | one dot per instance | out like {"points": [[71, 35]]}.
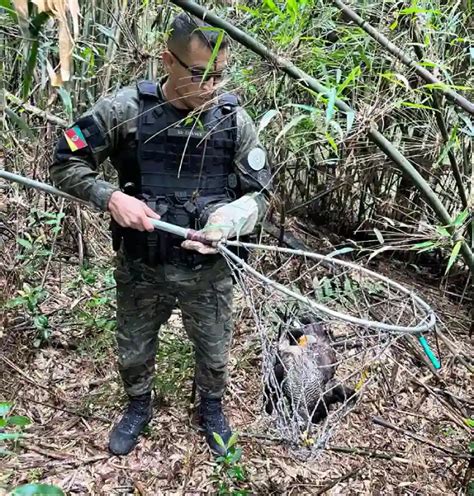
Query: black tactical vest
{"points": [[181, 165]]}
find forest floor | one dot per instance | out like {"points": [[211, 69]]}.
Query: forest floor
{"points": [[70, 389]]}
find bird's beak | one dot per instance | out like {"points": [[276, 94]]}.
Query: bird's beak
{"points": [[303, 341]]}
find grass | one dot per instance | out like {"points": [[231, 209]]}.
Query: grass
{"points": [[174, 366]]}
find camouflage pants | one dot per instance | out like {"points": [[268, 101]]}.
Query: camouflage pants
{"points": [[146, 297]]}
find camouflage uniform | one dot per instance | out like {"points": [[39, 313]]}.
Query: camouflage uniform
{"points": [[147, 295]]}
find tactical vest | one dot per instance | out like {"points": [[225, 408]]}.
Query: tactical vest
{"points": [[181, 165]]}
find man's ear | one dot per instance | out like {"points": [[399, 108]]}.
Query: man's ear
{"points": [[168, 60]]}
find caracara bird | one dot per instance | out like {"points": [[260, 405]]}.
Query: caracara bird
{"points": [[304, 369]]}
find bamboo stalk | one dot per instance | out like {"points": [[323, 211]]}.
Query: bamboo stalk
{"points": [[444, 133], [35, 110], [405, 58], [312, 84], [114, 43]]}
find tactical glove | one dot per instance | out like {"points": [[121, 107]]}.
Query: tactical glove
{"points": [[231, 220]]}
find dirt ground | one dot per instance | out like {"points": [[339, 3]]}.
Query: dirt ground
{"points": [[70, 389]]}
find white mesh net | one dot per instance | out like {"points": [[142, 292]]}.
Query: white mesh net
{"points": [[324, 326]]}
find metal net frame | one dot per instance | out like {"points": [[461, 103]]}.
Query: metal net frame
{"points": [[359, 317]]}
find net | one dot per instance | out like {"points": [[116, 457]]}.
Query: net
{"points": [[325, 325]]}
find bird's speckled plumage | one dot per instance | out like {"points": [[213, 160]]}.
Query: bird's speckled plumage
{"points": [[305, 369]]}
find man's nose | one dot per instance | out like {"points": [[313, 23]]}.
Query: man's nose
{"points": [[208, 85]]}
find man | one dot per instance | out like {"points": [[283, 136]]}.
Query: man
{"points": [[190, 156]]}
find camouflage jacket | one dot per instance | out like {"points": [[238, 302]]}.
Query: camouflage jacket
{"points": [[116, 117]]}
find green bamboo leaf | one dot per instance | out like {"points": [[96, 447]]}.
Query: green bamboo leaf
{"points": [[30, 67], [350, 118], [443, 231], [444, 86], [331, 104], [381, 250], [67, 102], [295, 121], [424, 244], [292, 8], [416, 106], [7, 6], [461, 218], [19, 420], [37, 490], [302, 106], [454, 255], [19, 122], [331, 141], [469, 129], [272, 6], [418, 10], [352, 76], [10, 436], [265, 120], [215, 50], [428, 249]]}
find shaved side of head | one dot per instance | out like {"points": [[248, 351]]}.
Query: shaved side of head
{"points": [[185, 28]]}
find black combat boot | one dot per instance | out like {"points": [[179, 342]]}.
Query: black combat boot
{"points": [[212, 419], [124, 435]]}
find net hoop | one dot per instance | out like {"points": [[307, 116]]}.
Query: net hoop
{"points": [[426, 324]]}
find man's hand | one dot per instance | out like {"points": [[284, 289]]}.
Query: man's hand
{"points": [[233, 219], [131, 212], [214, 231]]}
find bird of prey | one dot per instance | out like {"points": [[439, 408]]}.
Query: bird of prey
{"points": [[304, 369]]}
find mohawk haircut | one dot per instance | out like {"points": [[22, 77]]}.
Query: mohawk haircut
{"points": [[185, 28]]}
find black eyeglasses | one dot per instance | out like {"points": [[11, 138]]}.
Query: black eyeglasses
{"points": [[197, 75]]}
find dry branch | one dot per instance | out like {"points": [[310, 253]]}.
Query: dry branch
{"points": [[35, 110], [388, 425]]}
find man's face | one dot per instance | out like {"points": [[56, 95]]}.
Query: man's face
{"points": [[186, 69]]}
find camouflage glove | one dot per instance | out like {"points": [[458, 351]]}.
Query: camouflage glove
{"points": [[234, 219]]}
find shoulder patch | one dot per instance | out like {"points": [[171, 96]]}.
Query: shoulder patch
{"points": [[75, 138], [256, 159]]}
